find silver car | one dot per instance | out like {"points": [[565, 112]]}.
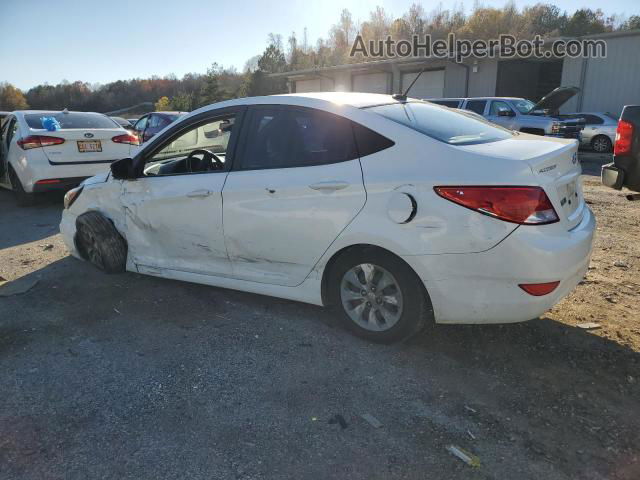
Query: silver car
{"points": [[599, 131]]}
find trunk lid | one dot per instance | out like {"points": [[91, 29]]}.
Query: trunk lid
{"points": [[86, 146], [555, 167]]}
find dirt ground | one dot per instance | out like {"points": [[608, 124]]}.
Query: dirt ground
{"points": [[610, 294], [130, 376]]}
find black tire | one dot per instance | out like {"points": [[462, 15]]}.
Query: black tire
{"points": [[23, 198], [416, 309], [98, 242], [601, 144]]}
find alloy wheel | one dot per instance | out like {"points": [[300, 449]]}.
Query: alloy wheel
{"points": [[601, 145], [371, 297]]}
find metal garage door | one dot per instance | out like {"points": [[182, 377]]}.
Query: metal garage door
{"points": [[371, 82], [429, 85], [303, 86]]}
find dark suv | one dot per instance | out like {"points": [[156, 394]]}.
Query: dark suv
{"points": [[151, 123], [625, 169]]}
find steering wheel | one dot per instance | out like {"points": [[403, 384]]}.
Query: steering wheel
{"points": [[213, 162]]}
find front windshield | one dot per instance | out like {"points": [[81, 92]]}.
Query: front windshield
{"points": [[443, 123], [523, 106]]}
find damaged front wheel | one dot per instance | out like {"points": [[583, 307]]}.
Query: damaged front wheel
{"points": [[98, 241]]}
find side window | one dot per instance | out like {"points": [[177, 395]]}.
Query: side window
{"points": [[155, 121], [476, 106], [200, 149], [163, 122], [592, 119], [142, 123], [498, 105], [296, 137], [368, 141]]}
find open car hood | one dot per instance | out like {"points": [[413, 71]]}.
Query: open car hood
{"points": [[554, 100]]}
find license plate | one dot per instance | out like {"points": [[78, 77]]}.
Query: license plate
{"points": [[89, 146]]}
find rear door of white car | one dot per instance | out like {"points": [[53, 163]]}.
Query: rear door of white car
{"points": [[298, 183], [6, 134], [173, 211]]}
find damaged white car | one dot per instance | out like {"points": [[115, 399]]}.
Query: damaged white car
{"points": [[396, 211]]}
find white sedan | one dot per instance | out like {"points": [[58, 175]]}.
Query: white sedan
{"points": [[47, 150], [396, 211]]}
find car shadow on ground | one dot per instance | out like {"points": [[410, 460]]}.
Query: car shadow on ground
{"points": [[540, 391], [44, 219]]}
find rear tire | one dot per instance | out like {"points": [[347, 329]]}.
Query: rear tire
{"points": [[98, 241], [601, 144], [23, 199], [395, 311]]}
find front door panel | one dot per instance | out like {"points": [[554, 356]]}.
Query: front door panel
{"points": [[175, 222]]}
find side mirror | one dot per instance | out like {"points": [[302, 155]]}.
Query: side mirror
{"points": [[123, 169], [506, 113]]}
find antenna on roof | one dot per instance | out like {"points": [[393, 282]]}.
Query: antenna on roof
{"points": [[403, 96]]}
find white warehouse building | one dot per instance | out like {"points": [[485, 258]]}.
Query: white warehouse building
{"points": [[606, 84]]}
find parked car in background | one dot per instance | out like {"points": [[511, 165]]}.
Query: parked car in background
{"points": [[625, 169], [53, 150], [3, 115], [151, 123], [123, 122], [599, 131], [523, 115], [343, 199]]}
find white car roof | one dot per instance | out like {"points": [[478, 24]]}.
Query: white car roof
{"points": [[315, 99]]}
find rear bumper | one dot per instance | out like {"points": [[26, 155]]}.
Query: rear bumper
{"points": [[612, 176], [483, 287], [573, 135]]}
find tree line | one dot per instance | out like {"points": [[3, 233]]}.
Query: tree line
{"points": [[194, 90]]}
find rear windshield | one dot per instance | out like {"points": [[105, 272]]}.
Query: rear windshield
{"points": [[449, 126], [72, 120]]}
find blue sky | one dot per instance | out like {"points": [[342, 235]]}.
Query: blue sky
{"points": [[101, 41]]}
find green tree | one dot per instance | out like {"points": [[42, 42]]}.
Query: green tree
{"points": [[585, 22], [183, 102], [163, 104], [11, 98], [211, 92], [632, 24]]}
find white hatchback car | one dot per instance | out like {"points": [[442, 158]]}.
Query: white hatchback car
{"points": [[396, 211], [45, 150]]}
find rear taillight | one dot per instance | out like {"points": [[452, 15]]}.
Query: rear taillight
{"points": [[35, 141], [48, 181], [624, 138], [539, 289], [523, 205], [127, 138]]}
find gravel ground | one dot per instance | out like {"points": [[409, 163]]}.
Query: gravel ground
{"points": [[137, 377]]}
